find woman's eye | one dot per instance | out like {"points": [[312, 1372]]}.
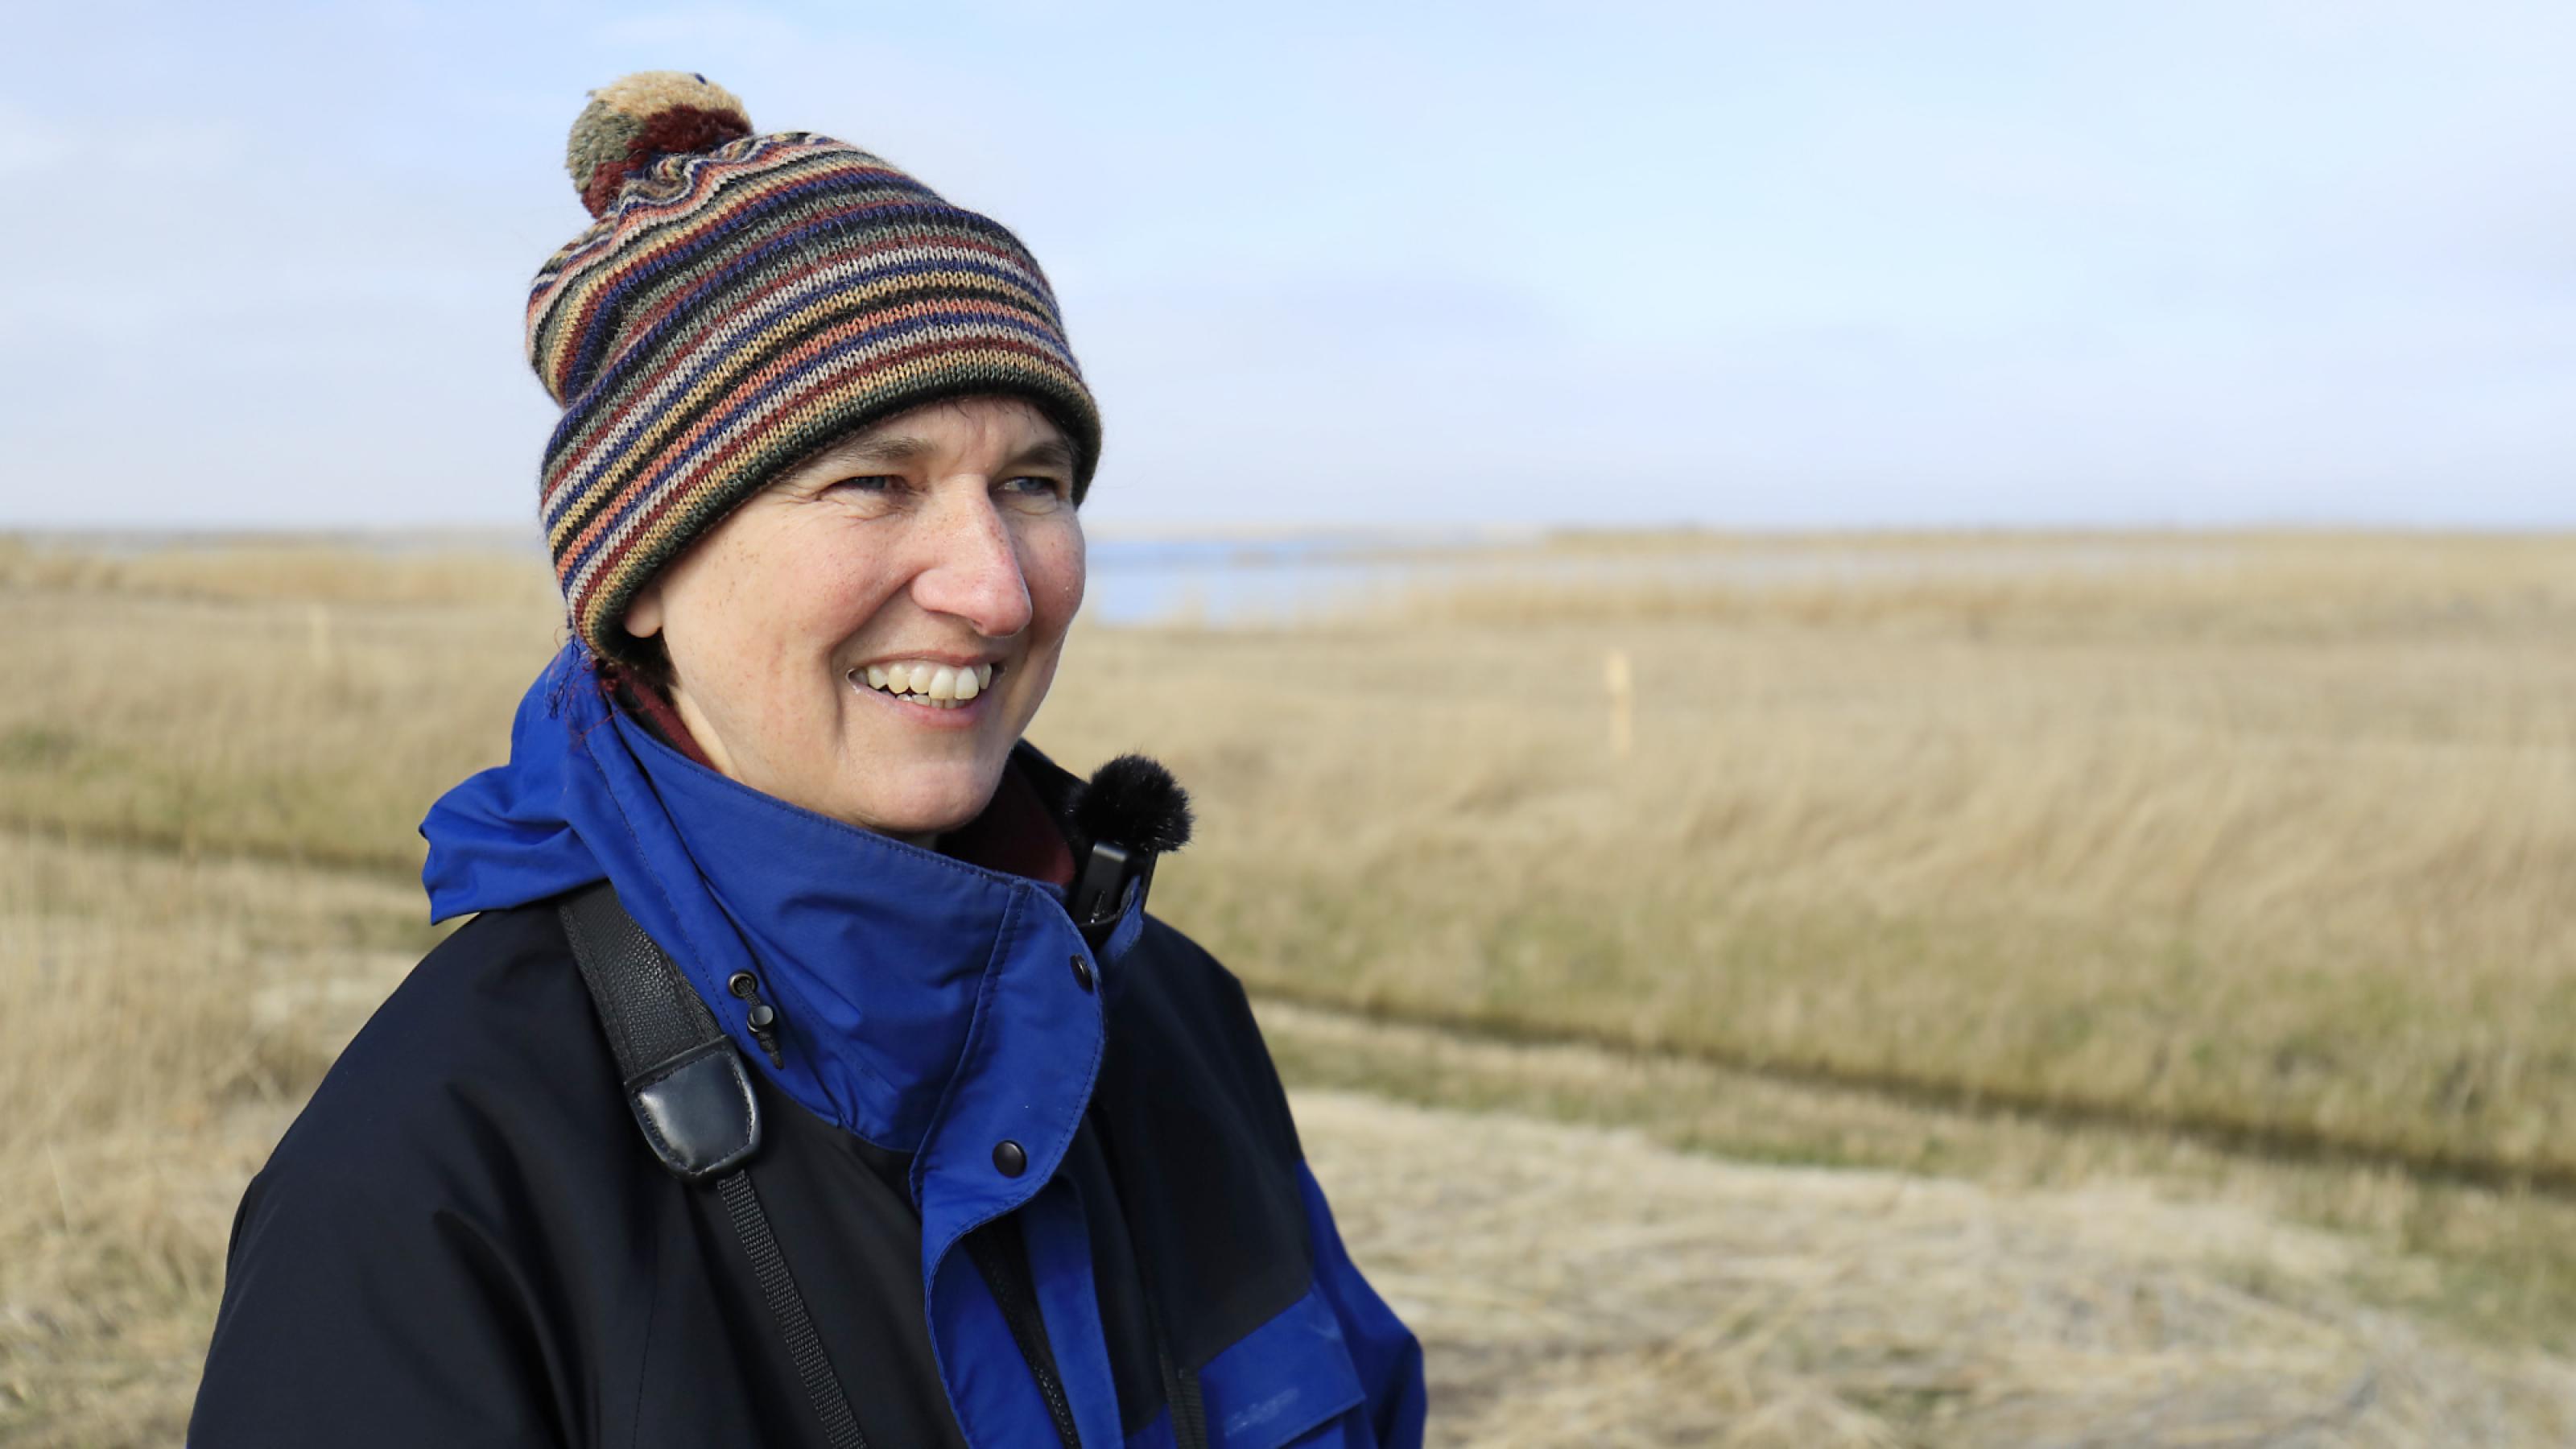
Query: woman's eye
{"points": [[1038, 490]]}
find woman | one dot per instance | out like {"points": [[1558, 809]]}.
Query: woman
{"points": [[993, 1175]]}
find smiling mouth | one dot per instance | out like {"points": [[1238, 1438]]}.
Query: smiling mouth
{"points": [[940, 686]]}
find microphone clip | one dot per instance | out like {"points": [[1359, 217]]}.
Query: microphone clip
{"points": [[1111, 879], [1131, 811]]}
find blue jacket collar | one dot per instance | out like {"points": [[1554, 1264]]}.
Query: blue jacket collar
{"points": [[890, 965]]}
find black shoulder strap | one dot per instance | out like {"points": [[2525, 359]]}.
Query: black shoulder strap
{"points": [[692, 1096]]}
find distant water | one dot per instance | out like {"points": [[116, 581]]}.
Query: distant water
{"points": [[1223, 582], [1234, 582]]}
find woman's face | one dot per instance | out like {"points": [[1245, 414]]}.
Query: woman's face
{"points": [[820, 636]]}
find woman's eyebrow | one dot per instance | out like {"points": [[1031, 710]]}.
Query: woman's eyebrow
{"points": [[1046, 450], [902, 449], [894, 449]]}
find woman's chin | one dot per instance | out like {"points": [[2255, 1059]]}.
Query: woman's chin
{"points": [[940, 799]]}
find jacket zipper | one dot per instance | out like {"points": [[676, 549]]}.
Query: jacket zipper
{"points": [[763, 1017], [999, 1251]]}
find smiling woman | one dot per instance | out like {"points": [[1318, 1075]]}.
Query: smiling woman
{"points": [[944, 1141]]}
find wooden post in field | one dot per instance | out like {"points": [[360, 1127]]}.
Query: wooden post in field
{"points": [[317, 622], [1622, 682]]}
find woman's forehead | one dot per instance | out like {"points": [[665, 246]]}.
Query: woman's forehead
{"points": [[917, 433]]}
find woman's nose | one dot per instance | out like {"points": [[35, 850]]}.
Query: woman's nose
{"points": [[973, 567]]}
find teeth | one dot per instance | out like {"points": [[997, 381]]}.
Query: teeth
{"points": [[943, 686]]}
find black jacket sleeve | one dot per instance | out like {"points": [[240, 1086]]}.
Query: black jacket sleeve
{"points": [[355, 1311], [399, 1273]]}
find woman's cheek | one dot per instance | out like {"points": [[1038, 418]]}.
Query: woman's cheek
{"points": [[1059, 568], [840, 606]]}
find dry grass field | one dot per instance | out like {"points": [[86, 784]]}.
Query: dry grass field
{"points": [[2221, 881], [1582, 1288]]}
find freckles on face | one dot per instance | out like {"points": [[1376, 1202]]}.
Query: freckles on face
{"points": [[1055, 567]]}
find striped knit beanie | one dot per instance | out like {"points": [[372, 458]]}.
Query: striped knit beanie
{"points": [[742, 301]]}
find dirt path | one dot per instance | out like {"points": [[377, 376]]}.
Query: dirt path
{"points": [[1577, 1286]]}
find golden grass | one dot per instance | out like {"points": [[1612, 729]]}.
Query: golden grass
{"points": [[2264, 838], [166, 1019], [194, 722], [1569, 1285], [2313, 891], [259, 568], [2499, 1266], [2116, 587], [2157, 855], [1588, 1288]]}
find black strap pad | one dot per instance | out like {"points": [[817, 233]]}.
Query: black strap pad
{"points": [[687, 1085]]}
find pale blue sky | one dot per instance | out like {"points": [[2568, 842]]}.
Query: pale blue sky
{"points": [[1774, 265]]}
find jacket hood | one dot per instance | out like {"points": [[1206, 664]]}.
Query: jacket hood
{"points": [[889, 965]]}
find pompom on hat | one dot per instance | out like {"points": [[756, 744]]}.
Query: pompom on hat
{"points": [[651, 113], [739, 302]]}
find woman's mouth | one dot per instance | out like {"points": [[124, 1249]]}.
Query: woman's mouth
{"points": [[928, 682]]}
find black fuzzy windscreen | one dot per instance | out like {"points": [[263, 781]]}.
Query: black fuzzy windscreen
{"points": [[1134, 802]]}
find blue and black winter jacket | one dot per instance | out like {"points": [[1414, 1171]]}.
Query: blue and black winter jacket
{"points": [[464, 1239]]}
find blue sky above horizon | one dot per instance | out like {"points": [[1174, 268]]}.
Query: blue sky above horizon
{"points": [[1843, 264]]}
